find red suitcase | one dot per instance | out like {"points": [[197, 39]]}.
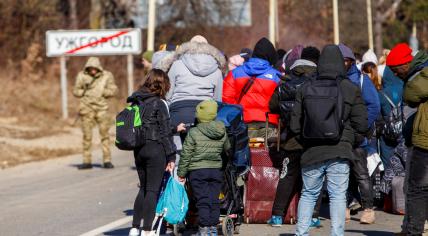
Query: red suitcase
{"points": [[260, 190]]}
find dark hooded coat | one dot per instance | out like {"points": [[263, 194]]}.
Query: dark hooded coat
{"points": [[331, 66]]}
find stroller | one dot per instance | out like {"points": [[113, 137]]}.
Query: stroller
{"points": [[235, 165]]}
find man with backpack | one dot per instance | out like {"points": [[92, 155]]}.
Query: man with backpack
{"points": [[282, 102], [328, 112], [414, 72], [360, 177], [94, 86]]}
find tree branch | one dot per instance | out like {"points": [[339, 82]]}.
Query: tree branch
{"points": [[392, 10]]}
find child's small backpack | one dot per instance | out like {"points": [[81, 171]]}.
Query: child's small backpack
{"points": [[130, 132]]}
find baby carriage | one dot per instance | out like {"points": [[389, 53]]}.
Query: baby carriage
{"points": [[236, 163]]}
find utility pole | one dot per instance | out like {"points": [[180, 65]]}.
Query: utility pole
{"points": [[272, 21], [151, 26], [414, 43], [370, 23], [336, 22]]}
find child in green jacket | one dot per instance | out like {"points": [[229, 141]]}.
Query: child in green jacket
{"points": [[201, 162]]}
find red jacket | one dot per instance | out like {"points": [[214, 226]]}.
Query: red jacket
{"points": [[256, 101]]}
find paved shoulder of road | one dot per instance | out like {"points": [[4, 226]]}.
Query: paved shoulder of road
{"points": [[54, 198]]}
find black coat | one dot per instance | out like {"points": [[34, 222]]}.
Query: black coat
{"points": [[156, 116], [331, 66]]}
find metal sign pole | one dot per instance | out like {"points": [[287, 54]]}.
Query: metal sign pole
{"points": [[130, 68], [64, 88]]}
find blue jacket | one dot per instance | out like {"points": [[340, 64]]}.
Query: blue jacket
{"points": [[392, 86], [369, 92]]}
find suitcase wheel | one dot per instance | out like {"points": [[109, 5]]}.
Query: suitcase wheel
{"points": [[228, 226]]}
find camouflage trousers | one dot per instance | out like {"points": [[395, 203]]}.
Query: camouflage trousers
{"points": [[89, 120]]}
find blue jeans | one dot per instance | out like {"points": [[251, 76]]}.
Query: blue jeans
{"points": [[337, 173]]}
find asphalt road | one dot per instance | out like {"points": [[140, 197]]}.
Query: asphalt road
{"points": [[54, 198]]}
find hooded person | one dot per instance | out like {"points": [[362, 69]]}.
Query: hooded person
{"points": [[252, 85], [329, 161], [413, 70], [282, 102], [94, 86], [195, 72], [201, 162], [368, 90]]}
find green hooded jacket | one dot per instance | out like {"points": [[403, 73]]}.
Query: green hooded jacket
{"points": [[416, 95], [203, 147], [94, 91]]}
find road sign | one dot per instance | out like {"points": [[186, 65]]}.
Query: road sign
{"points": [[64, 43], [93, 42]]}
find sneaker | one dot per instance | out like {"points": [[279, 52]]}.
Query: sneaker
{"points": [[275, 221], [85, 166], [315, 223], [368, 216], [348, 215], [203, 231], [213, 231], [108, 165], [149, 233], [134, 232], [355, 205]]}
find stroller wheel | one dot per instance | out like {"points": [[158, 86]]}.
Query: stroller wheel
{"points": [[237, 228], [228, 226]]}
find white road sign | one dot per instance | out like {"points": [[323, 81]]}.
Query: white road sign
{"points": [[93, 42]]}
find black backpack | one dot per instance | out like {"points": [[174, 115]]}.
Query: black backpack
{"points": [[393, 127], [130, 128], [323, 108], [287, 95]]}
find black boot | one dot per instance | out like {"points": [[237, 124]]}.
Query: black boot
{"points": [[108, 165], [85, 166]]}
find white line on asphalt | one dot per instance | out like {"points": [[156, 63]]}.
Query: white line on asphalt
{"points": [[108, 227]]}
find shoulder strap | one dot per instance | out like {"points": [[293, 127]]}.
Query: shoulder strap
{"points": [[388, 99], [246, 88]]}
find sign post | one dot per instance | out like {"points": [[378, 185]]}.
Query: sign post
{"points": [[64, 43], [64, 103], [130, 68]]}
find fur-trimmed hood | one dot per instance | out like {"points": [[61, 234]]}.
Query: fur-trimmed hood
{"points": [[210, 58]]}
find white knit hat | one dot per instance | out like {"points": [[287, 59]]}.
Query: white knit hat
{"points": [[370, 56]]}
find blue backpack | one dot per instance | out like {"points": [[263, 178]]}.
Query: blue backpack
{"points": [[173, 202], [237, 131]]}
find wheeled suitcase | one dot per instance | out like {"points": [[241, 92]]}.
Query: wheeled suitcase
{"points": [[260, 190]]}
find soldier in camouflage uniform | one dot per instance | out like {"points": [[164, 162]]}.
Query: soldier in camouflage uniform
{"points": [[94, 86]]}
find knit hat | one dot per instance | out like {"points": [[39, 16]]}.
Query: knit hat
{"points": [[199, 39], [370, 56], [293, 55], [346, 51], [148, 55], [206, 111], [311, 54], [399, 55], [264, 49]]}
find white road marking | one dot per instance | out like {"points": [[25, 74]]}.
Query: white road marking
{"points": [[108, 227]]}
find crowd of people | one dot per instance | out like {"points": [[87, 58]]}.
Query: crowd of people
{"points": [[377, 118]]}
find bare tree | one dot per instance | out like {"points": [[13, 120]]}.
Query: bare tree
{"points": [[382, 14]]}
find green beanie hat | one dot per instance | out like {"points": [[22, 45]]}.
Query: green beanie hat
{"points": [[148, 55], [206, 111]]}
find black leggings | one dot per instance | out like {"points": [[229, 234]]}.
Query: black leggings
{"points": [[150, 161]]}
